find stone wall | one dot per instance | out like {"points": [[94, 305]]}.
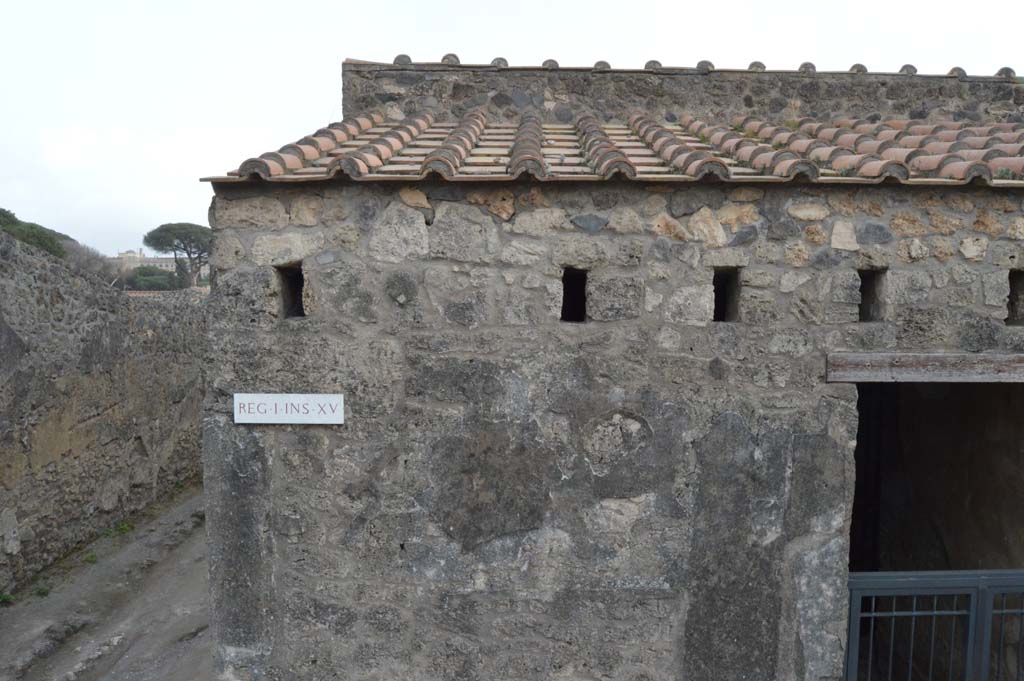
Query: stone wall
{"points": [[648, 495], [99, 410], [564, 93]]}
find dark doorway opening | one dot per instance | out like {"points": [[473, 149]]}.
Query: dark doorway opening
{"points": [[940, 477], [937, 535]]}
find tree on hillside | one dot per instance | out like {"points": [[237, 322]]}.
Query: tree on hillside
{"points": [[188, 242]]}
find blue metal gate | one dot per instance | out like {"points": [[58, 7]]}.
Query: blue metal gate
{"points": [[936, 626]]}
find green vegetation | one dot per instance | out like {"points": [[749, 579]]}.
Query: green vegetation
{"points": [[42, 591], [121, 528], [6, 600], [90, 558], [189, 243], [32, 234], [150, 278]]}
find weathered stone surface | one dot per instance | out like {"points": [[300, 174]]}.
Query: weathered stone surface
{"points": [[692, 200], [797, 255], [736, 215], [704, 226], [256, 211], [305, 210], [540, 222], [398, 235], [500, 202], [414, 198], [460, 233], [590, 223], [100, 405], [815, 235], [943, 223], [988, 223], [615, 298], [746, 194], [910, 250], [974, 247], [808, 211], [228, 250], [624, 220], [996, 287], [1016, 230], [691, 305], [844, 236], [523, 253], [285, 247], [579, 251], [507, 476], [870, 233], [667, 226]]}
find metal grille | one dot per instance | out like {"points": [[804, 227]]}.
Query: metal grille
{"points": [[936, 626]]}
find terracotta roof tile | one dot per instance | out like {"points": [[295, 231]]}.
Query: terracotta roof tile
{"points": [[676, 148]]}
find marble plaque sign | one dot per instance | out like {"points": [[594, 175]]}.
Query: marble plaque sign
{"points": [[289, 408]]}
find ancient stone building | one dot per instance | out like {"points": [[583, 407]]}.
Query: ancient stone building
{"points": [[618, 349]]}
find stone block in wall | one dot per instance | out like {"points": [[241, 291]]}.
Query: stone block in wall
{"points": [[264, 212], [539, 222], [726, 257], [462, 233], [996, 288], [286, 247], [226, 251], [581, 251], [399, 234], [691, 305], [904, 287], [612, 298]]}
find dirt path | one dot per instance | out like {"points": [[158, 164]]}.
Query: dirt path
{"points": [[129, 607]]}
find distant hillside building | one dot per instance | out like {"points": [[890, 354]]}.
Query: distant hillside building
{"points": [[129, 260]]}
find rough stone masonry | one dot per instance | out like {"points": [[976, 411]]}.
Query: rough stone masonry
{"points": [[99, 409], [649, 495]]}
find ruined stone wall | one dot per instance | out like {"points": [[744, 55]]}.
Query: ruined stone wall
{"points": [[562, 94], [99, 405], [648, 495]]}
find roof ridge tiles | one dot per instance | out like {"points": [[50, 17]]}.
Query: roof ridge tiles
{"points": [[451, 62]]}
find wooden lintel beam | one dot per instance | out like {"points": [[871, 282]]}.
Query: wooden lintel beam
{"points": [[924, 367]]}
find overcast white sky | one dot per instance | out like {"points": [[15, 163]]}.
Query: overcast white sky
{"points": [[111, 111]]}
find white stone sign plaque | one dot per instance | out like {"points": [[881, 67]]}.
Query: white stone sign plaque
{"points": [[289, 408]]}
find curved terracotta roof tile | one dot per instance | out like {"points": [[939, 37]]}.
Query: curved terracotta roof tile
{"points": [[849, 149], [447, 158], [379, 150], [527, 154], [600, 151]]}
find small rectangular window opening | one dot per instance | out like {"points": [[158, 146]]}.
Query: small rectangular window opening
{"points": [[727, 294], [291, 282], [1015, 308], [574, 295], [872, 295]]}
